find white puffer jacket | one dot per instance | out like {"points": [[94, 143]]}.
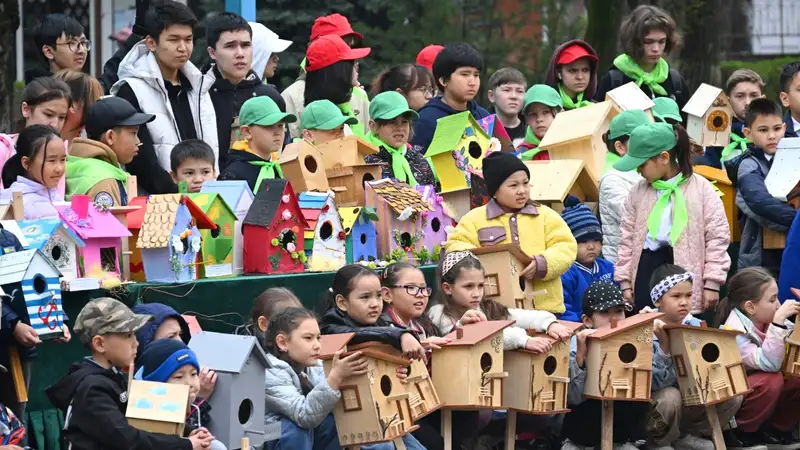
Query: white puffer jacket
{"points": [[614, 189]]}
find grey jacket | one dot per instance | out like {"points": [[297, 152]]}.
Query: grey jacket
{"points": [[285, 396]]}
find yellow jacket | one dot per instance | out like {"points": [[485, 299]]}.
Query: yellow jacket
{"points": [[538, 230]]}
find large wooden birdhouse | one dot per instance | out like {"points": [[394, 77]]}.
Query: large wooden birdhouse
{"points": [[135, 220], [157, 407], [348, 151], [727, 193], [538, 382], [348, 183], [503, 283], [56, 241], [239, 197], [325, 239], [216, 249], [33, 282], [710, 117], [708, 363], [302, 165], [468, 372], [553, 180], [791, 362], [361, 238], [435, 222], [630, 96], [399, 208], [619, 361], [459, 143]]}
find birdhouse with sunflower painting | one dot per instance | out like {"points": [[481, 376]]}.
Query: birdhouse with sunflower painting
{"points": [[325, 240], [216, 250], [710, 116], [459, 144], [400, 209], [274, 231]]}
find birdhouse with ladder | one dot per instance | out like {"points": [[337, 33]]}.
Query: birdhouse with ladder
{"points": [[502, 265]]}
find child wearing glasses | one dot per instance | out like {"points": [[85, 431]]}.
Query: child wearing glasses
{"points": [[62, 44]]}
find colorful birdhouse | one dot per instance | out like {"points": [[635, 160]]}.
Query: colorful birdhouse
{"points": [[435, 222], [399, 208], [502, 265], [359, 228], [709, 117], [348, 183], [727, 193], [553, 180], [274, 231], [239, 197], [216, 251], [135, 220], [630, 96], [302, 165], [157, 407], [56, 241], [459, 143], [348, 151], [325, 239], [33, 282]]}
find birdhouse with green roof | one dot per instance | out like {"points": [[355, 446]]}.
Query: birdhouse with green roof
{"points": [[459, 144], [216, 251]]}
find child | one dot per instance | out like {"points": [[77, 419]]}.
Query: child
{"points": [[666, 110], [545, 236], [85, 91], [540, 106], [94, 393], [615, 185], [192, 162], [263, 127], [506, 91], [769, 413], [390, 130], [573, 72], [602, 303], [405, 295], [266, 305], [674, 217], [414, 82], [758, 207], [94, 168], [62, 43], [588, 266], [790, 97], [322, 122]]}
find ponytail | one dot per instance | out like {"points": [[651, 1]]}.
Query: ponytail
{"points": [[682, 152], [31, 141], [611, 143], [746, 286]]}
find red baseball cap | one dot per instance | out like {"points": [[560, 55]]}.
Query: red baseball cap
{"points": [[336, 24], [573, 53], [427, 55], [330, 49]]}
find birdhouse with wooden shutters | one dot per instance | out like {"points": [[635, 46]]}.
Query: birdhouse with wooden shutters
{"points": [[502, 265], [727, 193], [157, 407], [538, 382], [469, 372], [325, 240], [630, 96], [56, 241], [555, 179], [239, 197], [32, 280], [434, 222], [708, 363], [302, 165], [216, 250], [361, 238], [619, 360], [458, 145], [400, 210], [710, 116]]}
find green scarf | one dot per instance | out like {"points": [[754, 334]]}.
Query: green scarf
{"points": [[401, 169], [569, 103], [84, 173], [652, 79], [737, 146], [357, 129], [680, 216], [530, 138], [267, 172], [611, 158]]}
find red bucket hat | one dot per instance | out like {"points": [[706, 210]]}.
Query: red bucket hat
{"points": [[427, 55], [573, 53], [336, 24], [330, 49]]}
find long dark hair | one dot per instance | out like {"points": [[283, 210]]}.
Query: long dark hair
{"points": [[271, 302], [492, 309], [32, 140], [42, 90], [747, 285], [405, 77], [681, 153], [285, 322], [334, 83], [389, 278], [610, 143], [343, 282]]}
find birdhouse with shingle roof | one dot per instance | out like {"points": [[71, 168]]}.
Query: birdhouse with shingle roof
{"points": [[710, 117], [502, 265], [302, 165], [216, 249], [325, 239], [400, 211], [458, 145], [360, 235]]}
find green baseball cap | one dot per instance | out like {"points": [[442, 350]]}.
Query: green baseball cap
{"points": [[544, 94], [666, 108], [324, 115], [625, 122], [263, 111], [389, 105], [646, 141]]}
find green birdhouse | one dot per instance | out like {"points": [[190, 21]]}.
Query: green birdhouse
{"points": [[216, 254]]}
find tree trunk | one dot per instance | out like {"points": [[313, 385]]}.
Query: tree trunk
{"points": [[699, 55], [602, 29], [9, 21]]}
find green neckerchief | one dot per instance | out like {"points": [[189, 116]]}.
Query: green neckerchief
{"points": [[569, 103], [530, 138], [83, 173], [653, 80], [401, 169], [680, 216], [267, 172], [357, 129], [611, 158], [737, 146]]}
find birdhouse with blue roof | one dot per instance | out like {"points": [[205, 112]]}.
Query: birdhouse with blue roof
{"points": [[216, 249], [239, 197], [361, 239], [56, 241], [324, 236], [459, 144], [33, 282], [157, 407]]}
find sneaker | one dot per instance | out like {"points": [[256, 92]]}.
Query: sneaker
{"points": [[690, 442], [569, 445], [739, 440]]}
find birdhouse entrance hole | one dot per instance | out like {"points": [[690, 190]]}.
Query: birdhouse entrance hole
{"points": [[710, 352], [215, 232], [436, 224], [56, 253], [39, 284], [326, 231], [245, 411], [386, 385], [717, 122], [627, 353], [405, 240], [367, 177], [522, 283], [288, 238], [311, 163], [550, 365], [486, 362], [475, 150], [363, 238]]}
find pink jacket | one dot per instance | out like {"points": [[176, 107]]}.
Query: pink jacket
{"points": [[702, 248]]}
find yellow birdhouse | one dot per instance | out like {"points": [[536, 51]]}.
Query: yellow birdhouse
{"points": [[345, 152], [553, 180], [630, 96], [459, 145], [302, 165], [709, 117], [157, 407], [502, 265], [727, 193]]}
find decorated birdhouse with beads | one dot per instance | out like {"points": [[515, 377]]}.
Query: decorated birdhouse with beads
{"points": [[325, 239], [359, 231], [216, 250], [434, 222], [239, 197], [400, 210], [459, 144], [274, 231], [710, 116], [56, 241], [502, 265], [302, 165]]}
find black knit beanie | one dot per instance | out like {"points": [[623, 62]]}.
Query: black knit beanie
{"points": [[498, 166]]}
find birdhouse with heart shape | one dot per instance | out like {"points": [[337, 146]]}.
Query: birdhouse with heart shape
{"points": [[157, 407], [710, 116], [502, 265], [459, 144], [33, 282], [303, 166]]}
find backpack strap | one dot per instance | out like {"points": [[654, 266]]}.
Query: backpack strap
{"points": [[677, 87], [617, 77]]}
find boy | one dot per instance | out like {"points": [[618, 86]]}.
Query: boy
{"points": [[63, 45], [192, 161], [322, 122], [457, 70], [540, 106], [588, 266], [506, 89], [94, 394], [263, 127], [790, 97], [94, 167]]}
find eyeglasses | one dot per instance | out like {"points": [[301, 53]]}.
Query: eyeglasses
{"points": [[415, 290], [74, 45], [427, 91]]}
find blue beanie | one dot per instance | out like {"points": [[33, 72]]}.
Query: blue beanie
{"points": [[161, 358], [583, 224]]}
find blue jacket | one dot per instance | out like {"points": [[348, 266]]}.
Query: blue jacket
{"points": [[790, 131], [160, 313], [434, 110], [577, 279], [713, 155], [790, 263]]}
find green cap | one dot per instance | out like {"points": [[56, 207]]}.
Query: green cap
{"points": [[263, 111], [647, 141], [324, 115], [544, 94], [666, 108], [389, 105], [625, 122]]}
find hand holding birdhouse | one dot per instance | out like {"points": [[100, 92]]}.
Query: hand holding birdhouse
{"points": [[472, 316], [530, 271], [412, 349], [559, 331], [661, 334], [538, 345], [344, 368], [788, 309], [580, 354], [434, 343]]}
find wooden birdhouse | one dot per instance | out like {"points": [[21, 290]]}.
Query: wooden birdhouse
{"points": [[708, 363], [399, 208], [239, 197], [56, 241], [619, 361], [435, 222], [578, 134], [348, 151], [468, 372], [303, 166], [457, 203], [727, 193], [502, 265], [237, 406], [170, 238], [325, 239], [710, 117], [216, 249], [459, 143], [630, 96], [538, 382], [552, 181], [791, 362], [274, 231], [361, 238], [348, 183], [33, 282], [783, 183], [157, 407]]}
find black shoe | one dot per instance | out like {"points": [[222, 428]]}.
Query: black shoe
{"points": [[777, 440], [739, 440]]}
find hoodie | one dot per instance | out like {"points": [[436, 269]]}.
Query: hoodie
{"points": [[551, 79], [94, 400], [93, 170], [434, 110], [265, 43], [160, 313], [37, 198], [239, 167]]}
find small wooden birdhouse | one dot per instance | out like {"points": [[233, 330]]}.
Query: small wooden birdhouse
{"points": [[727, 193], [399, 208], [578, 134], [135, 220], [538, 382], [239, 197], [468, 372], [630, 96], [791, 362], [274, 231], [708, 363], [434, 223], [157, 407], [348, 151], [33, 282], [710, 117], [553, 180], [325, 239], [237, 406], [361, 238], [56, 241], [348, 183], [216, 250], [502, 265], [619, 361], [459, 143], [302, 165]]}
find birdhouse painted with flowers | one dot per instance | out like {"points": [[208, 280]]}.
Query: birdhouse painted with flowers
{"points": [[325, 241], [170, 239], [274, 231], [218, 241], [359, 231], [459, 143], [709, 117], [400, 211], [434, 222]]}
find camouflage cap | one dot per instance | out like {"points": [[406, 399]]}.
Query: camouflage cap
{"points": [[105, 315]]}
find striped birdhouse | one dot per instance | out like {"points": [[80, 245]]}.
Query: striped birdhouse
{"points": [[32, 280]]}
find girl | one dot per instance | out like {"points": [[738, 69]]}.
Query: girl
{"points": [[674, 217], [85, 91], [546, 238], [390, 131], [414, 82], [646, 36], [573, 72], [35, 170], [615, 185], [266, 305], [540, 106], [769, 412]]}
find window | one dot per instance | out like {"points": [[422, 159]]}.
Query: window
{"points": [[491, 285], [680, 366], [108, 259], [350, 398]]}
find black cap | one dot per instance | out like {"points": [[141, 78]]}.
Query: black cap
{"points": [[498, 166], [601, 296], [113, 112]]}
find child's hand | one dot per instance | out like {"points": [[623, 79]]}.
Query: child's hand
{"points": [[412, 349], [434, 342], [558, 331], [26, 335], [63, 340], [627, 295], [580, 354], [208, 380], [538, 345], [661, 334], [529, 271], [472, 316], [710, 299], [200, 439], [402, 373], [343, 368], [788, 309]]}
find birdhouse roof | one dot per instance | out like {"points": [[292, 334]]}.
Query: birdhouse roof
{"points": [[226, 353], [96, 225], [350, 216], [346, 151], [450, 130], [231, 191], [332, 343], [553, 180], [268, 202], [704, 329], [38, 232], [703, 98], [312, 205], [136, 217], [295, 149], [6, 210], [377, 350], [399, 195], [477, 332], [630, 96], [626, 324], [576, 124], [14, 266], [572, 326], [157, 402], [159, 220], [205, 200], [511, 248], [784, 173], [713, 174]]}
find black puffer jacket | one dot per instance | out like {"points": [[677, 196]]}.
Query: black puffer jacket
{"points": [[335, 322]]}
